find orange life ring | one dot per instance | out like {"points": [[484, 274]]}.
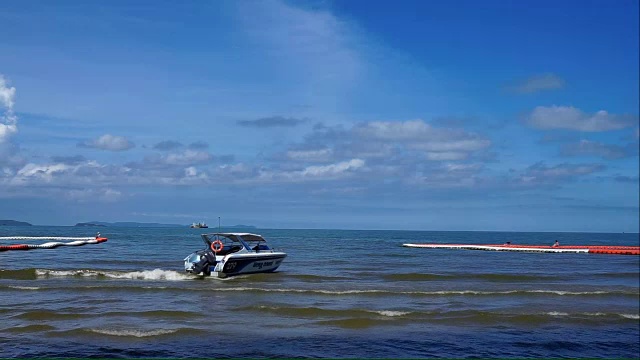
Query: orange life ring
{"points": [[217, 248]]}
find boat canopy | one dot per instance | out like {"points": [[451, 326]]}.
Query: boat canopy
{"points": [[237, 236]]}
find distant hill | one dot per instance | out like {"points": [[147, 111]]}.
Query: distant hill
{"points": [[127, 224], [13, 223], [90, 224], [137, 224]]}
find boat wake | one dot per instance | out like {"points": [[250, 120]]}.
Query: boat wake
{"points": [[156, 274]]}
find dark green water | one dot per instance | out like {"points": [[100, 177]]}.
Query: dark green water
{"points": [[338, 294]]}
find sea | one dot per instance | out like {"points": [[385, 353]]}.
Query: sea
{"points": [[338, 294]]}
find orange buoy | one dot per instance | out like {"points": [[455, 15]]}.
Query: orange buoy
{"points": [[217, 246]]}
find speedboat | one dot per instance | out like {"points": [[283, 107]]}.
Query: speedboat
{"points": [[229, 254]]}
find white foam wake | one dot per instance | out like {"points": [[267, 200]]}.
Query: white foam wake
{"points": [[557, 313], [156, 274], [631, 316], [392, 313], [133, 332], [24, 287]]}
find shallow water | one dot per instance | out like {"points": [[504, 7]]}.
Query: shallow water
{"points": [[338, 294]]}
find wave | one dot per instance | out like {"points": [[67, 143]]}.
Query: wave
{"points": [[163, 274], [313, 312], [485, 277], [631, 316], [156, 274], [65, 314], [23, 287], [51, 315], [24, 274], [434, 293], [134, 332], [318, 278], [31, 328], [371, 317], [125, 333], [475, 317]]}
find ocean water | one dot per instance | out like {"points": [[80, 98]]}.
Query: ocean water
{"points": [[338, 294]]}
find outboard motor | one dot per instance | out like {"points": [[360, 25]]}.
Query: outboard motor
{"points": [[200, 262]]}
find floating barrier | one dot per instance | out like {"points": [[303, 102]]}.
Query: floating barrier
{"points": [[78, 241], [595, 249]]}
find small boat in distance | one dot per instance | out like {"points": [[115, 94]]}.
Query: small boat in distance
{"points": [[228, 254], [199, 225]]}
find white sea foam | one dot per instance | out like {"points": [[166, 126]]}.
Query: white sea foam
{"points": [[133, 332], [595, 314], [631, 316], [392, 313], [557, 313], [25, 287], [156, 274]]}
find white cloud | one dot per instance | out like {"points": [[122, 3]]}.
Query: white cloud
{"points": [[412, 130], [333, 169], [325, 172], [593, 148], [190, 171], [109, 142], [568, 117], [8, 120], [539, 173], [310, 155], [539, 83], [437, 143], [446, 156], [187, 157]]}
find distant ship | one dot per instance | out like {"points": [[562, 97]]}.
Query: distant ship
{"points": [[199, 225]]}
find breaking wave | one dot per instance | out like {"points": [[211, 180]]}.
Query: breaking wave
{"points": [[156, 274]]}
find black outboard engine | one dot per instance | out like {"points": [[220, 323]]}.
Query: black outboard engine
{"points": [[200, 262]]}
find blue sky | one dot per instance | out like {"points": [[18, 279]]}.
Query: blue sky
{"points": [[432, 115]]}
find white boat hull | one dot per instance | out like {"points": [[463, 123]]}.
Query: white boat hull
{"points": [[248, 264]]}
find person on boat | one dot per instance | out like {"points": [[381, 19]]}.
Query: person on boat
{"points": [[556, 244]]}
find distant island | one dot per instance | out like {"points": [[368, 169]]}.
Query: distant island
{"points": [[138, 224], [88, 224], [13, 223], [125, 224]]}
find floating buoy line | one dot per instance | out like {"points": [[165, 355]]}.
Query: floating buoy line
{"points": [[588, 249], [75, 241]]}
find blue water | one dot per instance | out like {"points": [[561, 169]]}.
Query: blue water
{"points": [[337, 294]]}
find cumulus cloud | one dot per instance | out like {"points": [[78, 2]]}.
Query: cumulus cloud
{"points": [[539, 83], [273, 121], [108, 142], [8, 119], [333, 171], [597, 149], [437, 143], [316, 155], [187, 157], [540, 174], [568, 117]]}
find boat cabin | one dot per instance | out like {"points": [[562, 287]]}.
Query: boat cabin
{"points": [[235, 242]]}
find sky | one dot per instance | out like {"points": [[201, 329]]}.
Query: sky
{"points": [[409, 115]]}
